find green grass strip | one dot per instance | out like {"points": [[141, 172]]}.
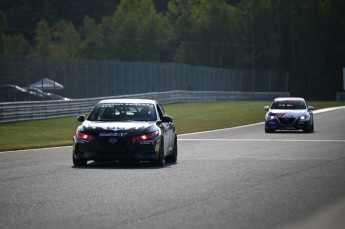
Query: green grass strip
{"points": [[188, 117]]}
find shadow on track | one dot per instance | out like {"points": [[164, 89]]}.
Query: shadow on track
{"points": [[290, 132], [122, 165]]}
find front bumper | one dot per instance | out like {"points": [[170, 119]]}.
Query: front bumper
{"points": [[93, 150], [296, 124]]}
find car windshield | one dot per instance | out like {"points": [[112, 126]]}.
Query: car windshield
{"points": [[288, 105], [123, 112]]}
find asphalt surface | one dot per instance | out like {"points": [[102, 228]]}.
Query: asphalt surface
{"points": [[231, 178]]}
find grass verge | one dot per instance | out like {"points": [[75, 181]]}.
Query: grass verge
{"points": [[188, 117]]}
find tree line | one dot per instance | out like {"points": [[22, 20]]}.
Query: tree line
{"points": [[304, 37]]}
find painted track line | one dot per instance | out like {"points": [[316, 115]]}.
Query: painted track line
{"points": [[36, 149], [258, 140], [217, 130], [328, 109]]}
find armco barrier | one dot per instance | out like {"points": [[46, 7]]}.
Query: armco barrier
{"points": [[20, 111]]}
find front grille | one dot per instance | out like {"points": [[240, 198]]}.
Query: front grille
{"points": [[286, 121], [108, 147]]}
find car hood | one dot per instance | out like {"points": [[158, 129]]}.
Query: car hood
{"points": [[287, 113], [125, 128]]}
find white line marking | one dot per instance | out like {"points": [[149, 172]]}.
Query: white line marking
{"points": [[35, 149], [260, 140], [229, 128], [328, 109]]}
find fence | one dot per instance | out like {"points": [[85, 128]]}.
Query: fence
{"points": [[92, 78], [340, 96], [50, 109]]}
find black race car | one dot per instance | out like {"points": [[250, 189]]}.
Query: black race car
{"points": [[125, 130]]}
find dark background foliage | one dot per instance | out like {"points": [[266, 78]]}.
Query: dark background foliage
{"points": [[305, 38]]}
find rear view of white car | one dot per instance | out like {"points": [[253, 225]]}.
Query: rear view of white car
{"points": [[289, 114]]}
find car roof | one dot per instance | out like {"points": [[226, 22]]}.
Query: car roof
{"points": [[128, 101]]}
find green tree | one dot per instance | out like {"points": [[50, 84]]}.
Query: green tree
{"points": [[3, 28], [23, 15], [208, 32], [17, 44], [11, 44], [183, 15], [261, 37], [136, 32], [334, 28], [65, 40], [42, 44], [220, 29], [316, 48], [91, 40]]}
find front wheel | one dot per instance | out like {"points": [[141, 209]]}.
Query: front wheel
{"points": [[310, 129], [269, 130], [173, 158], [160, 160]]}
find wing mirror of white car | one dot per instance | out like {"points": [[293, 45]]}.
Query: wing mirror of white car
{"points": [[165, 118], [81, 118], [266, 108], [311, 108]]}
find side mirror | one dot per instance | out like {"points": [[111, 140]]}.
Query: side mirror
{"points": [[311, 108], [81, 118], [165, 118], [266, 108]]}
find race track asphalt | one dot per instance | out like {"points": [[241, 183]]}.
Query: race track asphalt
{"points": [[230, 178]]}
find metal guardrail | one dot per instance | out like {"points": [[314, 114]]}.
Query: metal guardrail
{"points": [[34, 110]]}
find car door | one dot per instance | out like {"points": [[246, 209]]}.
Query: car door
{"points": [[168, 129]]}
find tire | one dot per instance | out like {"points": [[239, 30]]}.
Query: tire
{"points": [[268, 130], [79, 162], [173, 158], [160, 160], [310, 129]]}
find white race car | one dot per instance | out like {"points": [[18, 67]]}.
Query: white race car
{"points": [[289, 114]]}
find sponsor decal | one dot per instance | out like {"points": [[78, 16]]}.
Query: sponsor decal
{"points": [[124, 104], [146, 143], [280, 115], [284, 115], [112, 140], [127, 127], [112, 134], [113, 128]]}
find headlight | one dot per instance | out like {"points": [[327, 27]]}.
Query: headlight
{"points": [[304, 117], [269, 117]]}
